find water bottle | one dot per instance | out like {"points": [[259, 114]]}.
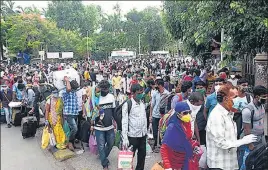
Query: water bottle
{"points": [[101, 114]]}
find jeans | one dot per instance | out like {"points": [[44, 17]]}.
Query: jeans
{"points": [[8, 114], [140, 144], [155, 124], [71, 120], [37, 114], [105, 142]]}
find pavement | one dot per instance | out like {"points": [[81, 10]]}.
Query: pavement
{"points": [[26, 154]]}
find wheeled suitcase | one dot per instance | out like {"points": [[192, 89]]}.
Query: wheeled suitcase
{"points": [[28, 126]]}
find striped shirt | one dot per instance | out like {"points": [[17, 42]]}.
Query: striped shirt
{"points": [[221, 134]]}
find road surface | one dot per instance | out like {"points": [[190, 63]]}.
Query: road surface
{"points": [[26, 154]]}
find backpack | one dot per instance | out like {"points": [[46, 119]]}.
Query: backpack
{"points": [[257, 159], [180, 99], [118, 113], [163, 122], [238, 118]]}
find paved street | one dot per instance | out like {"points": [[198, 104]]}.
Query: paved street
{"points": [[25, 154]]}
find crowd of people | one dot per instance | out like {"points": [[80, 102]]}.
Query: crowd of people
{"points": [[192, 111]]}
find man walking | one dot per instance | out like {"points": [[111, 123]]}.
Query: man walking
{"points": [[134, 125], [70, 109]]}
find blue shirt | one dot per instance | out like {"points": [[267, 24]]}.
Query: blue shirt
{"points": [[211, 102], [195, 80], [70, 102], [156, 98]]}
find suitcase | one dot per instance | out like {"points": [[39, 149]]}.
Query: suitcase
{"points": [[17, 119], [28, 126]]}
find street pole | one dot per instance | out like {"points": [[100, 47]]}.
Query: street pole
{"points": [[222, 39], [139, 44], [87, 48]]}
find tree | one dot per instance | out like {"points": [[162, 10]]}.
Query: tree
{"points": [[197, 23], [73, 15]]}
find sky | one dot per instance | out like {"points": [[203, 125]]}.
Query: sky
{"points": [[107, 6]]}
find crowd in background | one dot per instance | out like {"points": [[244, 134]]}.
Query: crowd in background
{"points": [[193, 110]]}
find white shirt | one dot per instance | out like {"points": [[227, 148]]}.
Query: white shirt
{"points": [[221, 134], [134, 124], [233, 81], [80, 94]]}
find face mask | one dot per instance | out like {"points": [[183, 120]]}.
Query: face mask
{"points": [[186, 118], [195, 108], [217, 88], [139, 96], [262, 100], [104, 93], [220, 98], [202, 91], [97, 94]]}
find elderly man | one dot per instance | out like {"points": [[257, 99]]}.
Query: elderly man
{"points": [[221, 130]]}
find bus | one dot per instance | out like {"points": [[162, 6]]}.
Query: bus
{"points": [[122, 54]]}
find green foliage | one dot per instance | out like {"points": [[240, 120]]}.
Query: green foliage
{"points": [[196, 23], [70, 26]]}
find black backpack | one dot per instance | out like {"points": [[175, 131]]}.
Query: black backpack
{"points": [[118, 113], [258, 158], [238, 118]]}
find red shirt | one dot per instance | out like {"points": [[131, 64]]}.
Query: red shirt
{"points": [[187, 78]]}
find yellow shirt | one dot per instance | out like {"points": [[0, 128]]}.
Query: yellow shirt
{"points": [[86, 75], [116, 81]]}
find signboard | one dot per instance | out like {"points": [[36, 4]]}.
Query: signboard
{"points": [[123, 53], [53, 55], [67, 54]]}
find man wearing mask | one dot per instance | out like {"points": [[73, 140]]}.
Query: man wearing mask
{"points": [[134, 129], [243, 97], [70, 109], [116, 82], [103, 124], [255, 125], [125, 81], [211, 100], [6, 98], [29, 98], [155, 115], [195, 102], [221, 136], [233, 80], [200, 119], [186, 89]]}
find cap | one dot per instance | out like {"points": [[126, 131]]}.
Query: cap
{"points": [[181, 106]]}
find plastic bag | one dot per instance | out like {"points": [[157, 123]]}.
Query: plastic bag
{"points": [[203, 159], [45, 138], [148, 148], [93, 145], [243, 166], [66, 130], [125, 160], [117, 138], [52, 139]]}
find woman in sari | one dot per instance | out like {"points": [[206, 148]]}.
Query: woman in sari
{"points": [[176, 149], [54, 119]]}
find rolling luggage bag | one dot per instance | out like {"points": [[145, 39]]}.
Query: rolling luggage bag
{"points": [[28, 126]]}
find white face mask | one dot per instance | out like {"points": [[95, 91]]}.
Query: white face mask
{"points": [[217, 88]]}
